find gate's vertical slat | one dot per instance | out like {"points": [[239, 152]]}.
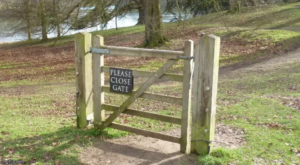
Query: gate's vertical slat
{"points": [[205, 96], [139, 92], [98, 81], [185, 144], [83, 58]]}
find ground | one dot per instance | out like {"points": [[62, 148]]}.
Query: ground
{"points": [[258, 117], [144, 150]]}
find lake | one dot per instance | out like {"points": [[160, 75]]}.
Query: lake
{"points": [[129, 20]]}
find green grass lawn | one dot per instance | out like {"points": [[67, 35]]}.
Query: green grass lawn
{"points": [[259, 103], [37, 122], [39, 125]]}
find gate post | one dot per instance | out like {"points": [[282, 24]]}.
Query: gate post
{"points": [[83, 61], [98, 81], [185, 144], [205, 93]]}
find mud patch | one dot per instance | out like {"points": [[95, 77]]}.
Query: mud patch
{"points": [[144, 150]]}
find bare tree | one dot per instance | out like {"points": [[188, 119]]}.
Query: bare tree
{"points": [[20, 15], [39, 16]]}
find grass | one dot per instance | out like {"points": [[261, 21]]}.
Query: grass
{"points": [[217, 157], [38, 127], [37, 122], [272, 128], [12, 65], [44, 127], [43, 120]]}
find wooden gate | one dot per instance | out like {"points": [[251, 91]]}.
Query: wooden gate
{"points": [[90, 88]]}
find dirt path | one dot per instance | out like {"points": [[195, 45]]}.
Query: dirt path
{"points": [[266, 65], [139, 150]]}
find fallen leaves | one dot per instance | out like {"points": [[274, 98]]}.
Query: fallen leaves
{"points": [[295, 151], [272, 125], [293, 102]]}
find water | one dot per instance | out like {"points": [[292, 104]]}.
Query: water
{"points": [[129, 20]]}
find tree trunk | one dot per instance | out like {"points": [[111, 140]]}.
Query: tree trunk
{"points": [[29, 36], [153, 27], [44, 21], [235, 6], [56, 21], [27, 18], [142, 10], [178, 10]]}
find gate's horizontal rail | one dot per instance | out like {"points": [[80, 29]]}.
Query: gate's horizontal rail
{"points": [[145, 133], [165, 77], [150, 96], [148, 115], [127, 51]]}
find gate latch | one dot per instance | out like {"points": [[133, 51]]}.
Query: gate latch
{"points": [[185, 57], [100, 51]]}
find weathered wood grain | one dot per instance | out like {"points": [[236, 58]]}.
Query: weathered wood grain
{"points": [[151, 96], [139, 92], [127, 51], [149, 115], [83, 61], [185, 144], [98, 81], [145, 133], [205, 93]]}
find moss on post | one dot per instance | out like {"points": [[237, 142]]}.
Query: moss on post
{"points": [[83, 60]]}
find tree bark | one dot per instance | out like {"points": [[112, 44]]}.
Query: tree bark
{"points": [[153, 27], [27, 18], [178, 10], [235, 6], [142, 10], [56, 21], [44, 21]]}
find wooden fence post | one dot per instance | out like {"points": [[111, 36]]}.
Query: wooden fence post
{"points": [[185, 144], [98, 82], [205, 93], [83, 60]]}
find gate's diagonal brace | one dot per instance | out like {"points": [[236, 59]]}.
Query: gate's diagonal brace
{"points": [[160, 72]]}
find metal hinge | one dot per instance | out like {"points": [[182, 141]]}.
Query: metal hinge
{"points": [[185, 57], [100, 51]]}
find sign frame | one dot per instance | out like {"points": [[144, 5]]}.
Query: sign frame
{"points": [[121, 80]]}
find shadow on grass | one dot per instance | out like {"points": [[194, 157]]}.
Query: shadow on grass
{"points": [[61, 146], [287, 24], [64, 146], [272, 18], [138, 152]]}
